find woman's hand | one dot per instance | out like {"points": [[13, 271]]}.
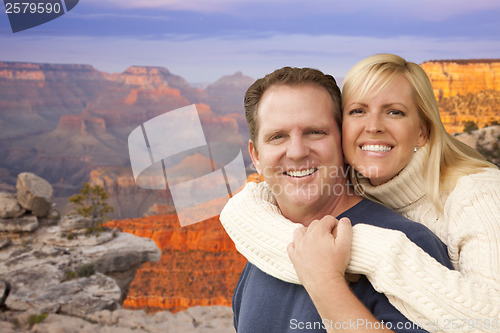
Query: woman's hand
{"points": [[321, 252]]}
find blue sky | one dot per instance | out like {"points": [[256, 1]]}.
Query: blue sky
{"points": [[202, 40]]}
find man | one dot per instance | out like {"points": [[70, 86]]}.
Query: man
{"points": [[294, 120]]}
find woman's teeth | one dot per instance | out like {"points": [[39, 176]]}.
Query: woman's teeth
{"points": [[376, 148]]}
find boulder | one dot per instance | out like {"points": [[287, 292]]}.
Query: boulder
{"points": [[34, 194], [9, 207]]}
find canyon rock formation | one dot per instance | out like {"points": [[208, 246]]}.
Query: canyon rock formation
{"points": [[70, 123], [199, 264], [63, 121], [52, 265], [466, 90]]}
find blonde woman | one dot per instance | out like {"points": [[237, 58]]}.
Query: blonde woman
{"points": [[403, 157]]}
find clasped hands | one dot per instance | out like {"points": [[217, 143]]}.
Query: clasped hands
{"points": [[321, 252]]}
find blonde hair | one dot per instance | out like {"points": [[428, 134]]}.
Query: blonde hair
{"points": [[449, 159]]}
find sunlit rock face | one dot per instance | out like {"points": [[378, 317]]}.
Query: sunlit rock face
{"points": [[466, 90], [199, 264]]}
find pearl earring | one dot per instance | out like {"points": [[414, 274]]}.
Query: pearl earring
{"points": [[415, 149]]}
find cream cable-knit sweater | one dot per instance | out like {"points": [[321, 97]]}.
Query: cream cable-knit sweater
{"points": [[438, 299]]}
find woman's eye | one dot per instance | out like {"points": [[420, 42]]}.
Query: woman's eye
{"points": [[355, 112], [396, 112]]}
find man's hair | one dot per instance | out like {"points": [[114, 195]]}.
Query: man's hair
{"points": [[288, 76]]}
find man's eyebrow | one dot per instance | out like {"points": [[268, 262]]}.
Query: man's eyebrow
{"points": [[325, 128], [271, 132]]}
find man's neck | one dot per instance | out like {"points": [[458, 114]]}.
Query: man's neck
{"points": [[335, 207]]}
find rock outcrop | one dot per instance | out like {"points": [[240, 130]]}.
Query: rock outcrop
{"points": [[217, 319], [486, 141], [466, 90], [53, 265], [199, 264], [461, 77]]}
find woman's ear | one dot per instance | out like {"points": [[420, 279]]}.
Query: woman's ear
{"points": [[254, 154], [423, 135]]}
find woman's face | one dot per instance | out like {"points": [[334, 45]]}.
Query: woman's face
{"points": [[380, 133]]}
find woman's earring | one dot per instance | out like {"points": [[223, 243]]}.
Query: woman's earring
{"points": [[415, 149]]}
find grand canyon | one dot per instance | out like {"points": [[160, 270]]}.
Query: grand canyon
{"points": [[70, 123]]}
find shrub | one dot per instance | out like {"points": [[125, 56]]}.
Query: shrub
{"points": [[36, 319], [470, 126], [91, 203]]}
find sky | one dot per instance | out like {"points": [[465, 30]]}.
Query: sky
{"points": [[203, 40]]}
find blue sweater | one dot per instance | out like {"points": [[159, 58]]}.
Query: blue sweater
{"points": [[264, 304]]}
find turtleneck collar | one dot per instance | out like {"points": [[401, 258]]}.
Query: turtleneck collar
{"points": [[405, 188]]}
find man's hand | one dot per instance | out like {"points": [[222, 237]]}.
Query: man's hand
{"points": [[321, 252]]}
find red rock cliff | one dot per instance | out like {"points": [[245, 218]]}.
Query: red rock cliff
{"points": [[199, 264], [466, 90]]}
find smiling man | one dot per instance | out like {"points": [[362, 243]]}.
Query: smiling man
{"points": [[294, 120], [298, 148]]}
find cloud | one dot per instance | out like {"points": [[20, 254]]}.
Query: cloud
{"points": [[207, 59], [427, 10]]}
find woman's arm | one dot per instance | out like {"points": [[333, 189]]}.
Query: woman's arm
{"points": [[466, 300], [320, 254], [416, 284]]}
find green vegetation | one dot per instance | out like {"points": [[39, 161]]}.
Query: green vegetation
{"points": [[91, 203], [83, 270], [470, 126], [36, 319]]}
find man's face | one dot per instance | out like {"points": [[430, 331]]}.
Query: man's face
{"points": [[298, 148]]}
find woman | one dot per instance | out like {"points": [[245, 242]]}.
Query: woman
{"points": [[405, 159]]}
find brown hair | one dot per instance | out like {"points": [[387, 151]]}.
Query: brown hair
{"points": [[289, 76]]}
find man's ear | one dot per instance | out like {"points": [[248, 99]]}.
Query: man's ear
{"points": [[254, 154]]}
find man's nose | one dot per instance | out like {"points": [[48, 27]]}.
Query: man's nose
{"points": [[374, 124], [297, 148]]}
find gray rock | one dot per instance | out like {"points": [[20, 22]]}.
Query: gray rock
{"points": [[34, 193], [4, 242], [56, 236], [9, 207], [194, 320], [40, 271], [41, 283], [6, 327], [75, 222], [121, 257], [26, 223]]}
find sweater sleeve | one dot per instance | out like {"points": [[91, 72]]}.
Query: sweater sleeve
{"points": [[259, 231], [427, 293]]}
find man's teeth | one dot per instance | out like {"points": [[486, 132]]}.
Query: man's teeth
{"points": [[302, 173], [377, 148]]}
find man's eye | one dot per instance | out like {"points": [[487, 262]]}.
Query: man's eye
{"points": [[276, 137], [316, 132]]}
